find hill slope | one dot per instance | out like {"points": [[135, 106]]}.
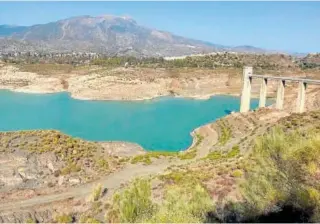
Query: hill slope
{"points": [[105, 34]]}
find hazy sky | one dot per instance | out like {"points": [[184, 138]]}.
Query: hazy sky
{"points": [[293, 26]]}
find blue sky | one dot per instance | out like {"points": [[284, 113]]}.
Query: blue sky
{"points": [[293, 26]]}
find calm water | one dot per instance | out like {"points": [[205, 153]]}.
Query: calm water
{"points": [[160, 124]]}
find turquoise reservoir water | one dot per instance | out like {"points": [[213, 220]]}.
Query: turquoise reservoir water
{"points": [[160, 124]]}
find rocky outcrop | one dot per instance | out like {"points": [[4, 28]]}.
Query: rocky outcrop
{"points": [[41, 216]]}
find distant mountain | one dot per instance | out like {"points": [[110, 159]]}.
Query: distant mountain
{"points": [[6, 30], [107, 34], [248, 49]]}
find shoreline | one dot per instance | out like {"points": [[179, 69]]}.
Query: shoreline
{"points": [[73, 96], [192, 97], [192, 133]]}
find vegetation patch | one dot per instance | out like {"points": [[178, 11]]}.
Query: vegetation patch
{"points": [[88, 219], [216, 155], [132, 205], [147, 158], [30, 220], [180, 204], [96, 193], [235, 151], [286, 172], [180, 177], [237, 173], [225, 132], [64, 218], [72, 151]]}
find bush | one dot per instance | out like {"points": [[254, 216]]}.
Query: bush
{"points": [[225, 134], [64, 219], [237, 173], [214, 155], [190, 154], [86, 219], [286, 172], [30, 220], [96, 193], [234, 151], [183, 205], [103, 164], [133, 204]]}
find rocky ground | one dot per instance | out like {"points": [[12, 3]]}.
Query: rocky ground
{"points": [[42, 162]]}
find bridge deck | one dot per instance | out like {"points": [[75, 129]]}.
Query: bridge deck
{"points": [[312, 81]]}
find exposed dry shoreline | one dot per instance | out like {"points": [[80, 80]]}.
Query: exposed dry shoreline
{"points": [[121, 84]]}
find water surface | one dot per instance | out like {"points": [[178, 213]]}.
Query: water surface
{"points": [[160, 124]]}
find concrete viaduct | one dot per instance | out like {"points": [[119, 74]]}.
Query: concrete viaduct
{"points": [[246, 90]]}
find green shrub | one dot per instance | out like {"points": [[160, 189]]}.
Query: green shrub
{"points": [[233, 152], [64, 218], [237, 173], [225, 133], [147, 158], [87, 219], [190, 154], [103, 164], [214, 155], [70, 168], [285, 171], [30, 220], [175, 176], [183, 205], [133, 204], [96, 193]]}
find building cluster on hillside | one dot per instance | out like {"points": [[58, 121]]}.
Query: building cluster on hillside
{"points": [[46, 57]]}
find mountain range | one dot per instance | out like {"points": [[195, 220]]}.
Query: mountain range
{"points": [[111, 35]]}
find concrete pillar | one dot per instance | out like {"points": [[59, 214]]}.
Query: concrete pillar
{"points": [[301, 96], [246, 90], [280, 94], [263, 92]]}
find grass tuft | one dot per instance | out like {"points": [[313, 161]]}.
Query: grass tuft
{"points": [[96, 193]]}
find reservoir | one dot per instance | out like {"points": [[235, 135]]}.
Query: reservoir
{"points": [[162, 123]]}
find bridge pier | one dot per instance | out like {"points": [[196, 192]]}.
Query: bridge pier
{"points": [[280, 94], [263, 92], [301, 96], [246, 89]]}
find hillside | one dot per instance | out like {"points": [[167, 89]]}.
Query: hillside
{"points": [[228, 175], [111, 35]]}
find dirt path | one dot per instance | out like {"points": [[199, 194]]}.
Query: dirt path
{"points": [[210, 139]]}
